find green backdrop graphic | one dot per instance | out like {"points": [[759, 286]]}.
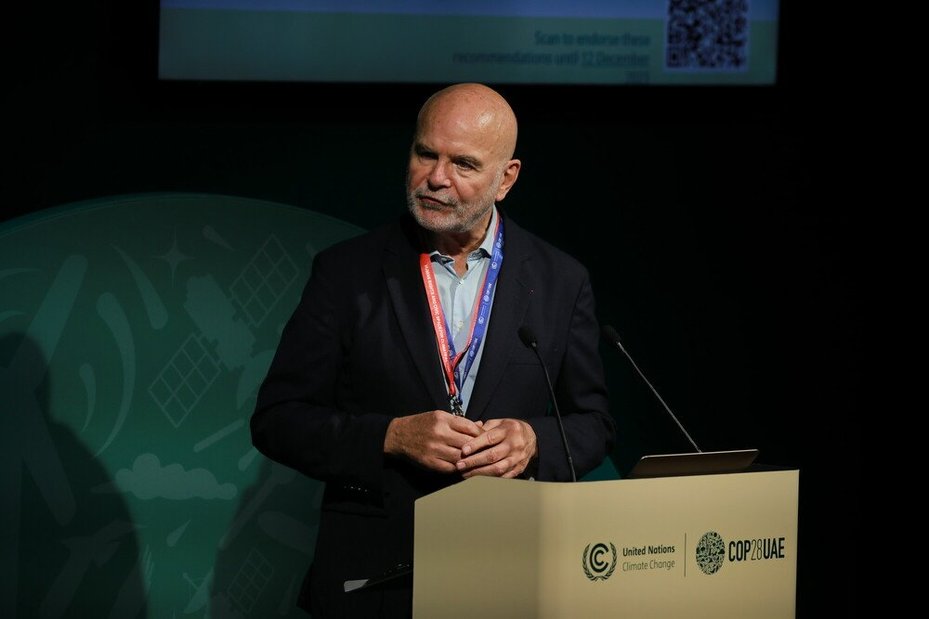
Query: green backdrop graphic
{"points": [[134, 332]]}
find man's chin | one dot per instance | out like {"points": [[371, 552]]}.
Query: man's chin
{"points": [[439, 219]]}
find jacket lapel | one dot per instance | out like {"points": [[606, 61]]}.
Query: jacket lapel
{"points": [[405, 287], [511, 300]]}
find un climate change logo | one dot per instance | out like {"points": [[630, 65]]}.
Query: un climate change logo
{"points": [[596, 565], [711, 551]]}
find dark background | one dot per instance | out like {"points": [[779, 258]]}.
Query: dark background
{"points": [[714, 247]]}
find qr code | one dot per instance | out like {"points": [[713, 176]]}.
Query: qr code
{"points": [[707, 35]]}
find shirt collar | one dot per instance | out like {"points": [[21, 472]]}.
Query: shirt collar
{"points": [[487, 247]]}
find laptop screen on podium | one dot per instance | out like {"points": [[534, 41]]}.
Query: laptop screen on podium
{"points": [[698, 463]]}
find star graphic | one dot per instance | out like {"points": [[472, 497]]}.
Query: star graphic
{"points": [[174, 257]]}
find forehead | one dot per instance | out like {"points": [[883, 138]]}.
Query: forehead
{"points": [[459, 129]]}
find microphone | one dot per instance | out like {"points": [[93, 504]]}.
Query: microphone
{"points": [[610, 334], [528, 338]]}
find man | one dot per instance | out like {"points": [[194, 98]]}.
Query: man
{"points": [[402, 371]]}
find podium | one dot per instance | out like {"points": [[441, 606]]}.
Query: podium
{"points": [[709, 546]]}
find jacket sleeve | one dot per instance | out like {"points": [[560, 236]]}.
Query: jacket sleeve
{"points": [[298, 420], [580, 388]]}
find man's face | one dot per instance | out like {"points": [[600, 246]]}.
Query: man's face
{"points": [[455, 172]]}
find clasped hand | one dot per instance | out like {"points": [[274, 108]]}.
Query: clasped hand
{"points": [[446, 443]]}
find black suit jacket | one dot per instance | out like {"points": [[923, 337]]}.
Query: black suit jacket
{"points": [[360, 350]]}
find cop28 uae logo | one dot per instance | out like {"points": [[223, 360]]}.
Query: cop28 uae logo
{"points": [[711, 551], [598, 566]]}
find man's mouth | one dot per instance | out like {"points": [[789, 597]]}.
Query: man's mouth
{"points": [[431, 201]]}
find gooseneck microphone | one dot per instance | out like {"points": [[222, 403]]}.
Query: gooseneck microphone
{"points": [[528, 338], [610, 334]]}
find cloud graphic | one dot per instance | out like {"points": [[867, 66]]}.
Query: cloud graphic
{"points": [[149, 480]]}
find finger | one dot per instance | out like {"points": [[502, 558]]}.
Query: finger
{"points": [[458, 441], [501, 468], [428, 435], [488, 439], [449, 429], [446, 453], [485, 457], [441, 466], [464, 426], [439, 458], [493, 423]]}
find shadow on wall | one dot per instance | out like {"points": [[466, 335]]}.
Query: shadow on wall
{"points": [[135, 331], [67, 551]]}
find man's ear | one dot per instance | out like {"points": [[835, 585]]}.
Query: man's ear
{"points": [[510, 173]]}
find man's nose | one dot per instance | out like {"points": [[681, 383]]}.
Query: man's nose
{"points": [[438, 175]]}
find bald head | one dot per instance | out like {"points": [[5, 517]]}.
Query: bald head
{"points": [[461, 164], [476, 108]]}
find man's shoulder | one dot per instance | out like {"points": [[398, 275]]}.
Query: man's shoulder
{"points": [[527, 245], [362, 246]]}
